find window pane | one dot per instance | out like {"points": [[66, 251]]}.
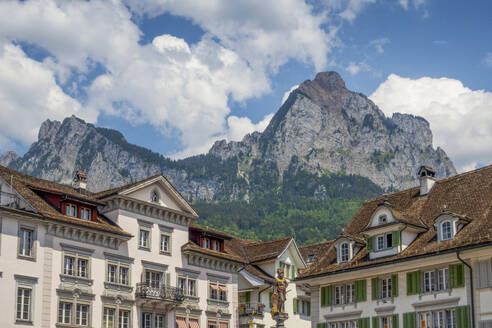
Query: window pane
{"points": [[124, 319], [82, 266], [25, 242], [68, 267], [108, 318], [124, 276], [111, 273], [23, 303]]}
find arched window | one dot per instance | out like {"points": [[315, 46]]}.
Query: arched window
{"points": [[446, 230], [344, 252], [154, 197]]}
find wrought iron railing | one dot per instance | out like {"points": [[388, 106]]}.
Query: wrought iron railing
{"points": [[251, 309], [159, 292], [13, 201]]}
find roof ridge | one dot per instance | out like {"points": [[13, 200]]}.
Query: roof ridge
{"points": [[268, 241], [459, 175], [318, 243]]}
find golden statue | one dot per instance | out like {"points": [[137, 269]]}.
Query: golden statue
{"points": [[279, 293]]}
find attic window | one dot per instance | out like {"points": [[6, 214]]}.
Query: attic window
{"points": [[71, 210], [446, 230], [154, 197], [344, 252], [310, 258], [382, 219]]}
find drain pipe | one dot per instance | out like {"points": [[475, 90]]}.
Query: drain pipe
{"points": [[471, 286]]}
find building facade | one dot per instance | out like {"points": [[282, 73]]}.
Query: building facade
{"points": [[416, 258]]}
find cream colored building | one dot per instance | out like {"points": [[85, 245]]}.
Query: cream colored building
{"points": [[416, 258]]}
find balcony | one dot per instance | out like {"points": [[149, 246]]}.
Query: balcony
{"points": [[250, 309], [161, 297], [14, 201]]}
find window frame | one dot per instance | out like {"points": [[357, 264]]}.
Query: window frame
{"points": [[86, 210], [161, 250], [437, 280], [32, 246], [219, 291], [76, 265], [342, 259], [387, 239], [149, 238], [29, 319], [451, 233], [186, 287], [346, 292], [118, 266], [75, 209], [206, 243], [385, 288]]}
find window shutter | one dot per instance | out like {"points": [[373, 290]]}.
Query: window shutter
{"points": [[248, 297], [395, 322], [360, 291], [363, 323], [308, 305], [456, 275], [325, 296], [293, 271], [282, 265], [463, 317], [484, 274], [394, 285], [375, 322], [328, 295], [413, 283], [375, 288], [395, 238], [409, 320], [370, 244], [322, 325], [270, 305], [294, 301]]}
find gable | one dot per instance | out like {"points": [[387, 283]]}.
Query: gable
{"points": [[292, 255], [378, 214]]}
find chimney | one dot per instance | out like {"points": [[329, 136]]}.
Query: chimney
{"points": [[80, 181], [427, 179]]}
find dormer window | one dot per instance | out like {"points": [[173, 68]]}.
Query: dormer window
{"points": [[154, 197], [216, 245], [344, 252], [382, 219], [206, 243], [71, 210], [85, 213], [446, 230], [384, 241], [310, 258]]}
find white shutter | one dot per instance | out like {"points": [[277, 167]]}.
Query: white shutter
{"points": [[484, 274]]}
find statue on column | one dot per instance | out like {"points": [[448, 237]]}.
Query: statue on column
{"points": [[279, 293]]}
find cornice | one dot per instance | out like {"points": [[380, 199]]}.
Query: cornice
{"points": [[211, 262]]}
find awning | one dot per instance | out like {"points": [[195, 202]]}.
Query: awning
{"points": [[224, 325], [194, 323], [223, 288], [214, 287], [180, 322]]}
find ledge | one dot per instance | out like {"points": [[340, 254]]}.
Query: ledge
{"points": [[343, 315], [445, 301]]}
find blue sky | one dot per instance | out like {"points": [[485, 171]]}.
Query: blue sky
{"points": [[174, 76]]}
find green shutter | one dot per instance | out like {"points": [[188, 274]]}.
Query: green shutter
{"points": [[375, 322], [325, 296], [395, 322], [308, 304], [395, 238], [456, 275], [463, 317], [293, 272], [409, 320], [360, 291], [394, 285], [322, 325], [282, 265], [328, 295], [370, 244], [363, 323], [375, 288], [248, 297], [270, 305], [413, 283], [294, 301]]}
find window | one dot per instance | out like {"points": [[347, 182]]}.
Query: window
{"points": [[206, 243], [153, 278], [159, 321], [143, 240], [118, 273], [386, 322], [435, 280], [429, 281], [344, 252], [24, 301], [344, 294], [382, 219], [310, 258], [446, 230], [344, 324], [443, 276], [76, 265], [82, 315], [187, 285], [165, 243], [216, 245], [108, 318], [124, 319], [85, 213], [217, 291], [384, 241], [71, 210], [385, 288], [65, 312], [438, 319], [146, 320], [26, 241]]}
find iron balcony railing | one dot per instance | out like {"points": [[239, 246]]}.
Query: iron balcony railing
{"points": [[251, 309], [159, 292], [13, 201]]}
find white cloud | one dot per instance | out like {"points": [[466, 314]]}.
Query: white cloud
{"points": [[28, 95], [170, 84], [286, 95], [379, 43], [356, 68], [353, 8], [460, 118], [240, 126], [488, 59]]}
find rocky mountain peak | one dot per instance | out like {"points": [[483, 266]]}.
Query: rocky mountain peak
{"points": [[327, 89], [8, 158]]}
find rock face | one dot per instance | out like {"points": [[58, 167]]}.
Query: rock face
{"points": [[321, 128], [8, 158]]}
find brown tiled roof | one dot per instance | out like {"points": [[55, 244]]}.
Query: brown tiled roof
{"points": [[265, 250], [114, 191], [317, 250], [210, 230], [258, 272], [468, 194], [227, 254], [25, 186]]}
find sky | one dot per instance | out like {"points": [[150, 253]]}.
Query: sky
{"points": [[176, 75]]}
